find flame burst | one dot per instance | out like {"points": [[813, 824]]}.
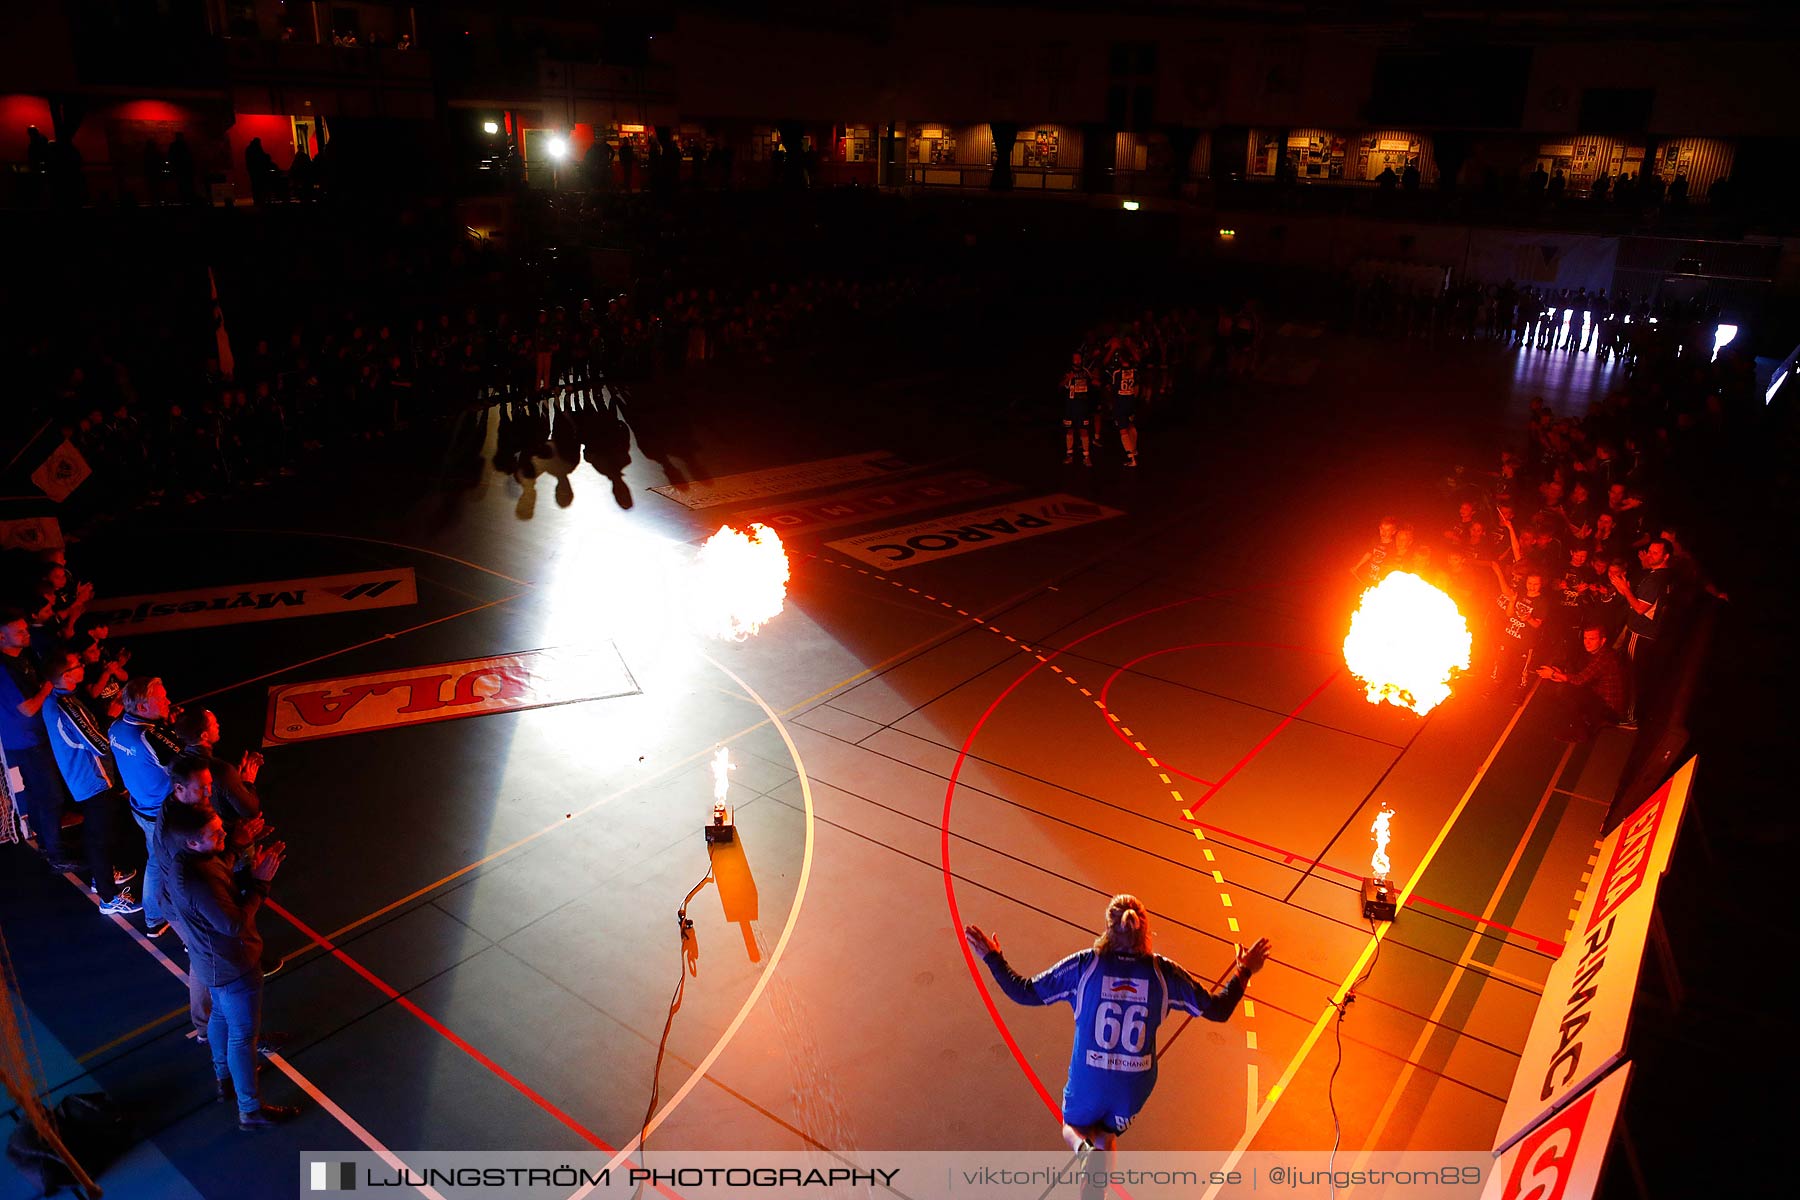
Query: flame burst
{"points": [[722, 767], [738, 582], [1405, 639], [1379, 866]]}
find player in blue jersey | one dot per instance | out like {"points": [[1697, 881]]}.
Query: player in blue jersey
{"points": [[1121, 993]]}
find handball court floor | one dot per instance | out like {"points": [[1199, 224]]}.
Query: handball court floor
{"points": [[477, 915]]}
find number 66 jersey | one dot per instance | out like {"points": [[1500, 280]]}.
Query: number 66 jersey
{"points": [[1120, 1001]]}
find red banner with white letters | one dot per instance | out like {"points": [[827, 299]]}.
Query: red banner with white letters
{"points": [[1562, 1158], [474, 687]]}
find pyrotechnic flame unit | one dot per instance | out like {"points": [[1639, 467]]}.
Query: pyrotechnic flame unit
{"points": [[720, 828], [1406, 643], [1380, 898]]}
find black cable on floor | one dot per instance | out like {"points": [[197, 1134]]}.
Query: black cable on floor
{"points": [[1337, 1029], [686, 928]]}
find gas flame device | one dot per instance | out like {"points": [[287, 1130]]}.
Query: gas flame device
{"points": [[720, 828], [1379, 898]]}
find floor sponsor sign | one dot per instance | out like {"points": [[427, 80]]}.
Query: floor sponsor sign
{"points": [[475, 687], [959, 533], [1579, 1030], [1562, 1158], [782, 481], [867, 504], [235, 604]]}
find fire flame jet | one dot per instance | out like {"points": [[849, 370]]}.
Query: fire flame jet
{"points": [[1406, 638], [1379, 865], [737, 582], [722, 766]]}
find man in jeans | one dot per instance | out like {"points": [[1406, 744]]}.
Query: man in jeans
{"points": [[219, 911], [143, 746]]}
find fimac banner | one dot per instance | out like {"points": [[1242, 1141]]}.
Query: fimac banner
{"points": [[1562, 1158], [1580, 1028], [474, 687], [237, 603]]}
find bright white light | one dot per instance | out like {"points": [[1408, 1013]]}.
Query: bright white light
{"points": [[1722, 338], [1379, 866], [1775, 385], [490, 127], [559, 149], [1129, 205]]}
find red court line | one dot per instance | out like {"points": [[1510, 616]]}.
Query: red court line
{"points": [[1546, 944], [1106, 689], [450, 1035], [1269, 737]]}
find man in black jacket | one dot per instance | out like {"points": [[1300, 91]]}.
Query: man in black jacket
{"points": [[219, 911]]}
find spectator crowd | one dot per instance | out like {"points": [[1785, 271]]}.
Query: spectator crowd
{"points": [[93, 748], [1569, 558]]}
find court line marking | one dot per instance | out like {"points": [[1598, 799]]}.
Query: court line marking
{"points": [[279, 1062], [1368, 951], [386, 637], [350, 537], [730, 1032], [1443, 1001]]}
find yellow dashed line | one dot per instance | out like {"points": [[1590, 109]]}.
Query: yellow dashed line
{"points": [[962, 612], [1249, 1039], [1188, 813], [914, 591], [1232, 921], [1178, 798], [1209, 855], [1085, 692], [1139, 745], [1040, 658], [1224, 899], [1056, 668], [1153, 761], [1200, 834], [1128, 733], [1249, 1007], [1113, 717], [1218, 876], [1099, 706], [1164, 778]]}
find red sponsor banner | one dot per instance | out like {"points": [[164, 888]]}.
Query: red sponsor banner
{"points": [[1562, 1158], [1580, 1029], [474, 687]]}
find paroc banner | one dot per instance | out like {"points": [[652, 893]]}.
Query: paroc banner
{"points": [[1579, 1030], [474, 687], [1562, 1158], [237, 603]]}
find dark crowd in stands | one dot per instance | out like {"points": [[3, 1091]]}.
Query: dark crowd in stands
{"points": [[1570, 555]]}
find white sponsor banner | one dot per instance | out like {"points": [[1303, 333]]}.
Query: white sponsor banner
{"points": [[1562, 1158], [62, 472], [475, 687], [235, 604], [1580, 1027], [959, 533], [31, 533], [782, 481]]}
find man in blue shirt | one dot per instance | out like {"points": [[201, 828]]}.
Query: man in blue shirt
{"points": [[23, 693], [85, 759], [1121, 994], [143, 746]]}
